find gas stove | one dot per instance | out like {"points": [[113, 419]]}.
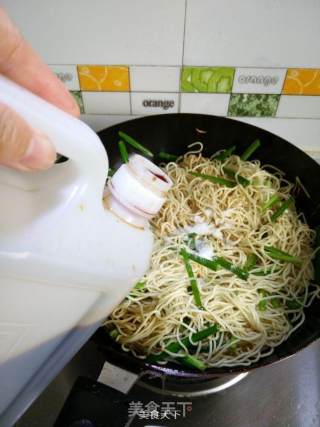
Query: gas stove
{"points": [[286, 394]]}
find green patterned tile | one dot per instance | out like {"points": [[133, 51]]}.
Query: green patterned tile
{"points": [[78, 97], [253, 105], [207, 79]]}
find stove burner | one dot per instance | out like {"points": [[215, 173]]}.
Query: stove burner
{"points": [[158, 384]]}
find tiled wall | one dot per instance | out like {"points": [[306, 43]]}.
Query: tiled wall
{"points": [[256, 61], [224, 91]]}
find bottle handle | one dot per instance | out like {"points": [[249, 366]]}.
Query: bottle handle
{"points": [[72, 138]]}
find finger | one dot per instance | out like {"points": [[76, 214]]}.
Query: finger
{"points": [[20, 146], [21, 64]]}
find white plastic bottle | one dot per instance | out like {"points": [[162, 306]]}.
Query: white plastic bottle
{"points": [[65, 260]]}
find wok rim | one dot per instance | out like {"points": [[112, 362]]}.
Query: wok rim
{"points": [[126, 360]]}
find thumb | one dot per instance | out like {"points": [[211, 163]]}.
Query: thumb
{"points": [[21, 147]]}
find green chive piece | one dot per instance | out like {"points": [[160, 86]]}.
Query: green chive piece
{"points": [[190, 240], [250, 262], [264, 272], [294, 304], [234, 341], [114, 333], [205, 333], [241, 273], [316, 261], [193, 281], [240, 179], [214, 179], [211, 264], [276, 302], [268, 183], [135, 144], [192, 362], [175, 346], [123, 152], [269, 203], [250, 150], [225, 153], [167, 156], [282, 256], [140, 285], [138, 288], [111, 172], [262, 305], [282, 209]]}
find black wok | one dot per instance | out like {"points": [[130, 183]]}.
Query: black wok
{"points": [[173, 133]]}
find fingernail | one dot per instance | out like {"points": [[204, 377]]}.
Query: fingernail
{"points": [[39, 155]]}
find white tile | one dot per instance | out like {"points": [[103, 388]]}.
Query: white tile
{"points": [[160, 79], [205, 103], [252, 33], [299, 106], [315, 155], [68, 74], [101, 121], [140, 32], [106, 102], [304, 133], [154, 103], [258, 80]]}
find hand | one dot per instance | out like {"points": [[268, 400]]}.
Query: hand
{"points": [[22, 147]]}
